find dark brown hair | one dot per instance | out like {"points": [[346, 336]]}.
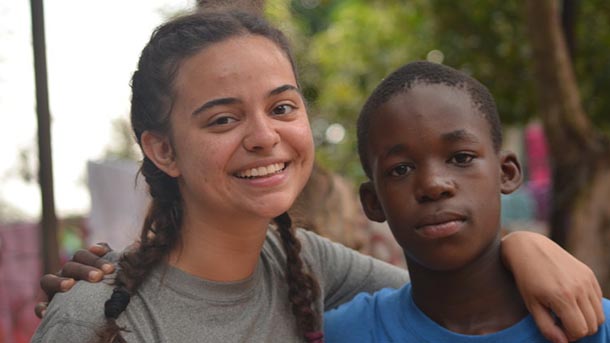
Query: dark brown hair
{"points": [[151, 105]]}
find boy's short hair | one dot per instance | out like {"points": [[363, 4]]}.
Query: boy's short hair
{"points": [[426, 73]]}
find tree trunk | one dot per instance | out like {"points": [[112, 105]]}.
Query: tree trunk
{"points": [[580, 155], [569, 16]]}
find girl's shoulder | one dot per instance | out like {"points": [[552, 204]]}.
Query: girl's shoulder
{"points": [[313, 246], [76, 313]]}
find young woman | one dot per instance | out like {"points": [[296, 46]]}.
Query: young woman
{"points": [[217, 111]]}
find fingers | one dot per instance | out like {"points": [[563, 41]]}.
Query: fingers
{"points": [[580, 310], [52, 284], [40, 309], [80, 271], [573, 317], [596, 301], [547, 325], [590, 317], [598, 309], [90, 258], [99, 249]]}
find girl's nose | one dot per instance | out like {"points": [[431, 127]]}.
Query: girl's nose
{"points": [[261, 134]]}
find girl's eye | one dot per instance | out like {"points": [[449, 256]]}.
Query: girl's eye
{"points": [[283, 109], [462, 158], [223, 120], [401, 170]]}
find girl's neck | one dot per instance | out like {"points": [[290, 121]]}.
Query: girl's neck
{"points": [[226, 250], [480, 298]]}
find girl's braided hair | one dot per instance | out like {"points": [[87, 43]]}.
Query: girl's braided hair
{"points": [[151, 105]]}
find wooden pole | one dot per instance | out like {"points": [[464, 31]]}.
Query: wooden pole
{"points": [[49, 244]]}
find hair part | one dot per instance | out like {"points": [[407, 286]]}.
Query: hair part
{"points": [[425, 73], [152, 100]]}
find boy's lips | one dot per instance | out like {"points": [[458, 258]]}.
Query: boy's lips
{"points": [[440, 225]]}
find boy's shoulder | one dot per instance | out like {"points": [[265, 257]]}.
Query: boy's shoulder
{"points": [[390, 315], [362, 318], [606, 306]]}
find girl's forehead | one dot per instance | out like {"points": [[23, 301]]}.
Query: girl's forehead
{"points": [[236, 67], [235, 52]]}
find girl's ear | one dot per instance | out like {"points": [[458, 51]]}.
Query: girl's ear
{"points": [[159, 150], [511, 177], [370, 202]]}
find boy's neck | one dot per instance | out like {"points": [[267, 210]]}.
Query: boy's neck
{"points": [[480, 298]]}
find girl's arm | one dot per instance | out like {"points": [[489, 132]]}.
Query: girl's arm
{"points": [[551, 281]]}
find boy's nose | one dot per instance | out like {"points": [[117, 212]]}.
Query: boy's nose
{"points": [[434, 186], [261, 134]]}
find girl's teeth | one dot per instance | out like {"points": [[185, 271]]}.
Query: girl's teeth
{"points": [[262, 171]]}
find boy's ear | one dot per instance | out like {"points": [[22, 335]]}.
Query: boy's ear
{"points": [[370, 202], [159, 150], [511, 177]]}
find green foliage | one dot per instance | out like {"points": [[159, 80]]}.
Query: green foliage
{"points": [[351, 47], [487, 40], [592, 59], [345, 47]]}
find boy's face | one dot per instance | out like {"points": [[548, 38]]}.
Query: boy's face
{"points": [[436, 177]]}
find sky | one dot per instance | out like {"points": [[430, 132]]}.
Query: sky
{"points": [[92, 50]]}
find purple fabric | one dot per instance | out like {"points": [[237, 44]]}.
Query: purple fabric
{"points": [[20, 270], [539, 170]]}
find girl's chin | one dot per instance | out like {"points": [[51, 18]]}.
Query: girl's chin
{"points": [[271, 209]]}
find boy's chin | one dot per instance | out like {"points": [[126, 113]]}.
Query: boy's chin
{"points": [[445, 263]]}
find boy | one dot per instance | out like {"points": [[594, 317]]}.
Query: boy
{"points": [[429, 140]]}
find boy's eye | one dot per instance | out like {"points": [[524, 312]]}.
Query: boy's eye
{"points": [[400, 170], [462, 158], [283, 109]]}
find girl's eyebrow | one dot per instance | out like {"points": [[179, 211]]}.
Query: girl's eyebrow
{"points": [[216, 102], [284, 88], [230, 101]]}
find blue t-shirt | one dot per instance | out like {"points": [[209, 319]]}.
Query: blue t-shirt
{"points": [[390, 315]]}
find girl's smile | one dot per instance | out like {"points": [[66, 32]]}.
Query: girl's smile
{"points": [[240, 133]]}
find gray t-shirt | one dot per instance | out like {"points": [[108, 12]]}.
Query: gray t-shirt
{"points": [[173, 306]]}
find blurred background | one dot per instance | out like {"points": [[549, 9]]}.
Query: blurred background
{"points": [[547, 62]]}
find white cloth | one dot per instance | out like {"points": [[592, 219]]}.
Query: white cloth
{"points": [[118, 202]]}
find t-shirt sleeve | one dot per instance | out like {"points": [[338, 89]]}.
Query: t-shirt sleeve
{"points": [[64, 330], [75, 316], [351, 321], [343, 272]]}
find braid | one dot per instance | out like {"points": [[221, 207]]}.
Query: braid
{"points": [[160, 232], [303, 289]]}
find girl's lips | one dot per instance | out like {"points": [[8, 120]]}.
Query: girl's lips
{"points": [[262, 171], [274, 178]]}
